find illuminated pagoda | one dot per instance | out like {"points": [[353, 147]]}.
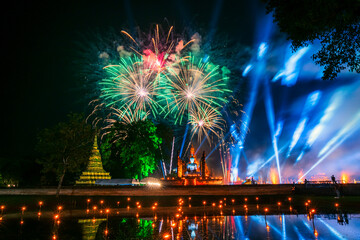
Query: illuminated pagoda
{"points": [[94, 169], [90, 227]]}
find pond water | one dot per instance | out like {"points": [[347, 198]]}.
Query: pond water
{"points": [[187, 219]]}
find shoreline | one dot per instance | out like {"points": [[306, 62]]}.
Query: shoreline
{"points": [[349, 189]]}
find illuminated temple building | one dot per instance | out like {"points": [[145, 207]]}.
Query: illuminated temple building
{"points": [[193, 173], [94, 169]]}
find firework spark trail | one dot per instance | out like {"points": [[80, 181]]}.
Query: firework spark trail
{"points": [[193, 83], [223, 110], [131, 86], [205, 119]]}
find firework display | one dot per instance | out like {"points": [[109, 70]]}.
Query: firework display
{"points": [[131, 85], [193, 83], [164, 77]]}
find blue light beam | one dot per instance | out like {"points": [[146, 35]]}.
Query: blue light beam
{"points": [[334, 147], [269, 107], [310, 103]]}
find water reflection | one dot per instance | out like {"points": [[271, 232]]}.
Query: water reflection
{"points": [[183, 218], [282, 226], [90, 227]]}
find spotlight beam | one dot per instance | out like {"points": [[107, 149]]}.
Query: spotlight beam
{"points": [[269, 160], [212, 151], [334, 147], [183, 142], [271, 120], [344, 131], [316, 131], [310, 103]]}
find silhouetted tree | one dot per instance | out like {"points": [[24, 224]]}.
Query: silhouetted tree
{"points": [[65, 147], [335, 23]]}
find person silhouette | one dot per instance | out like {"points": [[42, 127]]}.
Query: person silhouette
{"points": [[333, 179]]}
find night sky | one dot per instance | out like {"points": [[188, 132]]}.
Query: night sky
{"points": [[44, 43], [40, 81]]}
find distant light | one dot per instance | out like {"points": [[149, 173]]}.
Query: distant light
{"points": [[262, 50], [247, 70], [290, 72]]}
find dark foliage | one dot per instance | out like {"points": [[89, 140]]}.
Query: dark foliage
{"points": [[334, 23], [65, 148]]}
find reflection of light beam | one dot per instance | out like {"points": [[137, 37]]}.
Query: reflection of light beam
{"points": [[239, 225], [310, 103], [271, 120], [262, 222], [344, 131], [339, 142], [308, 226], [300, 237], [336, 233], [283, 227]]}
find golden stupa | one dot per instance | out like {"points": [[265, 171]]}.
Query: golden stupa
{"points": [[94, 169]]}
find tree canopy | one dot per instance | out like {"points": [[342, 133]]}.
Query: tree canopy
{"points": [[130, 150], [334, 23], [65, 148]]}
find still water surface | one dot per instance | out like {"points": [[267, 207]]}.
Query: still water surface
{"points": [[173, 218], [211, 227]]}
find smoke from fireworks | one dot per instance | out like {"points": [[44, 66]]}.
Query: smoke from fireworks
{"points": [[158, 49]]}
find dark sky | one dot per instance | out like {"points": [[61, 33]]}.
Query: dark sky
{"points": [[39, 78]]}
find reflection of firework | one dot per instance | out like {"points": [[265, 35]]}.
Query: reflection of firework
{"points": [[205, 119], [131, 86], [193, 83], [158, 49]]}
